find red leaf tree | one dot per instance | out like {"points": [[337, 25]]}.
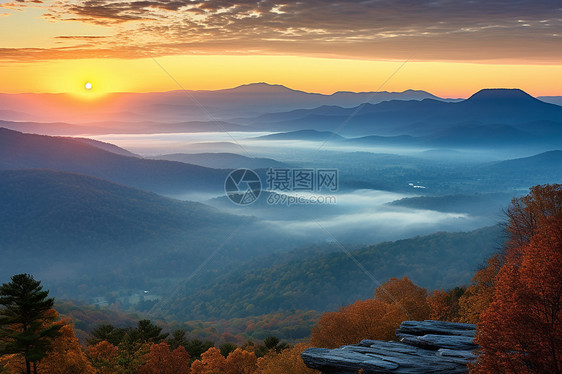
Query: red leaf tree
{"points": [[160, 360], [521, 331]]}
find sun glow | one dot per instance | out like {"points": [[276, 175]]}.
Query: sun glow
{"points": [[322, 75]]}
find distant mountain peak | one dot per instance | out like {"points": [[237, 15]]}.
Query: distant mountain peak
{"points": [[500, 94], [263, 87]]}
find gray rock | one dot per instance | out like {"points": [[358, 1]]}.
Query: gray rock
{"points": [[424, 347]]}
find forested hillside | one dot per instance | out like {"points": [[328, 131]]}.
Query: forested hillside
{"points": [[316, 280]]}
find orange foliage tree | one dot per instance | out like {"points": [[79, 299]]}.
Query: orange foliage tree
{"points": [[480, 294], [104, 357], [66, 355], [521, 331], [395, 301], [444, 305], [161, 360], [241, 362], [287, 361], [404, 293], [238, 361], [526, 214], [212, 362]]}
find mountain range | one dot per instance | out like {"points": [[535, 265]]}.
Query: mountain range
{"points": [[30, 151], [180, 106], [428, 117], [489, 118]]}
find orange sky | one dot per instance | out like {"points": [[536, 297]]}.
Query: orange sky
{"points": [[452, 50]]}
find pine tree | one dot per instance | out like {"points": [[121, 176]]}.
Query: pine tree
{"points": [[26, 326]]}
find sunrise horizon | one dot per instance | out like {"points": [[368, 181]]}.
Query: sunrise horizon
{"points": [[447, 49]]}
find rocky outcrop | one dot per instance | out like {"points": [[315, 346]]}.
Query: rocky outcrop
{"points": [[422, 347]]}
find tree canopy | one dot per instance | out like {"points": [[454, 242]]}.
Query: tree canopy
{"points": [[27, 327]]}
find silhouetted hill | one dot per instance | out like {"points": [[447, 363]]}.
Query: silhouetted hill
{"points": [[175, 106], [311, 135], [54, 128], [72, 227], [506, 106], [546, 162], [36, 203], [107, 147], [426, 118], [318, 280], [24, 151], [490, 204], [222, 160], [386, 140], [497, 96], [120, 127], [551, 99]]}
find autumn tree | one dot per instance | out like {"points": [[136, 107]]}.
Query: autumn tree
{"points": [[66, 355], [26, 326], [527, 213], [240, 361], [395, 301], [410, 298], [103, 357], [444, 305], [524, 217], [161, 360], [212, 362], [286, 361], [521, 331], [131, 352], [364, 319], [479, 295]]}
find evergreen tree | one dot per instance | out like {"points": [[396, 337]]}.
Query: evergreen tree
{"points": [[109, 333], [177, 340], [26, 324], [148, 332]]}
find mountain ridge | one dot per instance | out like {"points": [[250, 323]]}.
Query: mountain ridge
{"points": [[31, 151]]}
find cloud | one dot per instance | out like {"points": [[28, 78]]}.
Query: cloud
{"points": [[21, 4], [378, 222], [375, 29]]}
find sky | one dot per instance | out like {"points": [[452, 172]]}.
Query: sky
{"points": [[451, 48]]}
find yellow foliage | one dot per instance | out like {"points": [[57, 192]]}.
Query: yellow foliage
{"points": [[480, 294], [288, 361]]}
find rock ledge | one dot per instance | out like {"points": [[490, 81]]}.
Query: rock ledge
{"points": [[423, 347]]}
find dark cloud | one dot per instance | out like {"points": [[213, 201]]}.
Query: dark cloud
{"points": [[440, 29]]}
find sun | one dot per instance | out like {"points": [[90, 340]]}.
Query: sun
{"points": [[88, 86]]}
